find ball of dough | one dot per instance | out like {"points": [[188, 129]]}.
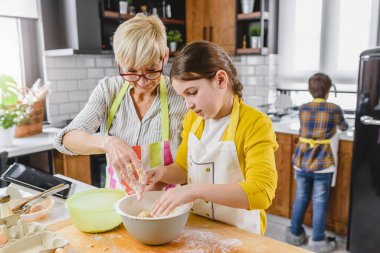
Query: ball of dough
{"points": [[144, 214]]}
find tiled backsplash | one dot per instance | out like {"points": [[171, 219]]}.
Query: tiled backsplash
{"points": [[73, 78]]}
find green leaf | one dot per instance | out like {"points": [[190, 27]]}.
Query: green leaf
{"points": [[9, 91]]}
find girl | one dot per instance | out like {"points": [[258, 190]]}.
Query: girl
{"points": [[226, 157]]}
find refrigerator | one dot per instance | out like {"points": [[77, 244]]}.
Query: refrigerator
{"points": [[364, 228]]}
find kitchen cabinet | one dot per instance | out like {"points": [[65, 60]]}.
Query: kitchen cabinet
{"points": [[338, 210], [218, 21], [264, 15], [212, 20], [111, 17], [281, 202], [77, 167]]}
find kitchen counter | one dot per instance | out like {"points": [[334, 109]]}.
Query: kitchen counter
{"points": [[33, 144], [200, 235], [59, 211], [291, 125]]}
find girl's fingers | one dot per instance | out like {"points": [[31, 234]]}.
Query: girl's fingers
{"points": [[162, 208], [168, 210], [157, 205]]}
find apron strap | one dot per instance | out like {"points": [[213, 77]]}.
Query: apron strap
{"points": [[229, 134], [116, 104], [164, 106], [164, 110], [312, 142], [234, 120]]}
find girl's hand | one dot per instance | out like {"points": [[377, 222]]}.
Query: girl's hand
{"points": [[154, 176], [121, 155], [172, 198]]}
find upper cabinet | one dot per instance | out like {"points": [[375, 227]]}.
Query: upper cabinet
{"points": [[240, 26], [171, 12], [256, 27], [212, 20]]}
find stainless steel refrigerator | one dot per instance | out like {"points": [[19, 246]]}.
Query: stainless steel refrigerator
{"points": [[364, 230]]}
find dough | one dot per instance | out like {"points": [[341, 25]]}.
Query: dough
{"points": [[144, 214]]}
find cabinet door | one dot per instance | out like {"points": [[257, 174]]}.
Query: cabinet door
{"points": [[77, 167], [221, 28], [196, 20], [281, 202], [338, 210]]}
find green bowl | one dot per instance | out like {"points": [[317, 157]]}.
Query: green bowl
{"points": [[91, 211]]}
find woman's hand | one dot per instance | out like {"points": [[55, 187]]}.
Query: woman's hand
{"points": [[121, 155], [174, 197]]}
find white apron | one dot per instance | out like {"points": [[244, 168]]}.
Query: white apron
{"points": [[219, 164], [334, 145]]}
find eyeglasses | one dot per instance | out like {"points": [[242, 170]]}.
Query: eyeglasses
{"points": [[152, 75]]}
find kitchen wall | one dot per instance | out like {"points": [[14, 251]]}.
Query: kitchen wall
{"points": [[74, 77]]}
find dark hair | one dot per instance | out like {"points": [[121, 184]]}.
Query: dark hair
{"points": [[319, 85], [202, 59]]}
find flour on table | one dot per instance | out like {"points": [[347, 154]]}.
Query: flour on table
{"points": [[195, 241]]}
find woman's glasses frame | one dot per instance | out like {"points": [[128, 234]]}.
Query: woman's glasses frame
{"points": [[136, 77]]}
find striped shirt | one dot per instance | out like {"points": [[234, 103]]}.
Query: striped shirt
{"points": [[319, 121], [126, 124]]}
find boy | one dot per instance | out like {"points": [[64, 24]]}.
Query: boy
{"points": [[314, 164]]}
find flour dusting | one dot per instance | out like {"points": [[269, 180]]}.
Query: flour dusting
{"points": [[196, 241]]}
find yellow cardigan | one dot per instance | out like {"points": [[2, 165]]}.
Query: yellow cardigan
{"points": [[255, 144]]}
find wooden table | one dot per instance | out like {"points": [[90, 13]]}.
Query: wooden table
{"points": [[200, 235]]}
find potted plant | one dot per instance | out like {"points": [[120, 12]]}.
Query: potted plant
{"points": [[12, 110], [174, 37], [255, 35]]}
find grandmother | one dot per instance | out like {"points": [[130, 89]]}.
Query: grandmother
{"points": [[138, 112]]}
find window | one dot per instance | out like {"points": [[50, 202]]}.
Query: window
{"points": [[10, 60], [326, 36], [20, 49]]}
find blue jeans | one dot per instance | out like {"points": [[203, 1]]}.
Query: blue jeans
{"points": [[320, 184]]}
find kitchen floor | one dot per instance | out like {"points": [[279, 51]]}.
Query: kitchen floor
{"points": [[276, 230]]}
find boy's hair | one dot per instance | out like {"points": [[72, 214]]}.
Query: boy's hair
{"points": [[319, 85], [140, 42], [202, 59]]}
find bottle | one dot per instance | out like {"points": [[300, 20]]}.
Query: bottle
{"points": [[154, 12], [163, 9], [168, 11], [244, 41]]}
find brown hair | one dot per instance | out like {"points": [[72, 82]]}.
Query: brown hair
{"points": [[319, 85], [202, 59]]}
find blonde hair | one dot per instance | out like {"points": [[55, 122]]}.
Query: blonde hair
{"points": [[140, 42]]}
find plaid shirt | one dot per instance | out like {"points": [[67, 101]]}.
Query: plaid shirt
{"points": [[319, 120]]}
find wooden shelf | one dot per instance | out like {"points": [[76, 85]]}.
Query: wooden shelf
{"points": [[116, 15], [173, 21], [262, 51], [253, 16]]}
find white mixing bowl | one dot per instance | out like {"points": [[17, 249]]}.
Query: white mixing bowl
{"points": [[151, 231]]}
